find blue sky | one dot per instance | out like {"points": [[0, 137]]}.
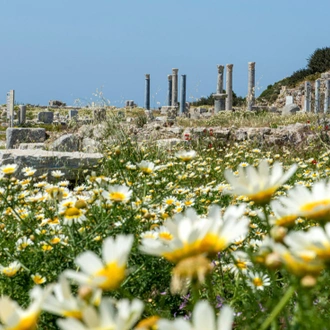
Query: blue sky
{"points": [[69, 49]]}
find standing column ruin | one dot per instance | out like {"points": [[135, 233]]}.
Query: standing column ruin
{"points": [[308, 96], [219, 102], [327, 95], [147, 92], [169, 91], [251, 85], [183, 95], [317, 96], [22, 114], [174, 87], [229, 86]]}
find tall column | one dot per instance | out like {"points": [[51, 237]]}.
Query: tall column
{"points": [[251, 85], [22, 114], [169, 92], [308, 96], [317, 96], [229, 86], [327, 96], [219, 102], [183, 95], [147, 92], [174, 87]]}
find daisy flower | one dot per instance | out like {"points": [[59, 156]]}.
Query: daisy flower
{"points": [[258, 281], [117, 193], [110, 315], [106, 273], [186, 155], [13, 317], [57, 174], [203, 317], [258, 184], [38, 279], [311, 204], [8, 169], [11, 270], [147, 167], [23, 243], [62, 302], [241, 263], [192, 235]]}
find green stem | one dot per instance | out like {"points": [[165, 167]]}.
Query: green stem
{"points": [[278, 308], [267, 219]]}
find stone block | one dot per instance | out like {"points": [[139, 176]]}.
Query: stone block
{"points": [[290, 109], [16, 136], [46, 117], [73, 114], [33, 146], [67, 142], [71, 163]]}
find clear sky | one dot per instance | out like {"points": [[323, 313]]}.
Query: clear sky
{"points": [[69, 49]]}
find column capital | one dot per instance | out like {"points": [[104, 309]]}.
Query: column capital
{"points": [[220, 68], [229, 67], [251, 65], [175, 71], [169, 77], [147, 76]]}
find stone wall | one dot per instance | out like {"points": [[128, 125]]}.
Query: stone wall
{"points": [[298, 93]]}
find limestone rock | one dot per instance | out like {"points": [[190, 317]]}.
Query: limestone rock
{"points": [[290, 109], [25, 146], [71, 163], [16, 136], [67, 142]]}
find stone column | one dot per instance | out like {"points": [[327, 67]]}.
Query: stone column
{"points": [[317, 96], [219, 103], [229, 86], [251, 85], [169, 92], [327, 96], [22, 114], [147, 92], [183, 95], [308, 96], [174, 87]]}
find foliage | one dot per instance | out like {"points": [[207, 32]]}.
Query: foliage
{"points": [[238, 101], [319, 61]]}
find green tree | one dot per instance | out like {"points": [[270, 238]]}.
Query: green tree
{"points": [[319, 61]]}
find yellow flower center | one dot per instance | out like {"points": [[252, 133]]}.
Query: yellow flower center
{"points": [[257, 281], [146, 170], [117, 196], [72, 212], [8, 170], [241, 264], [148, 323], [9, 271], [166, 236], [74, 313], [113, 275], [26, 323], [317, 210], [37, 279], [288, 220], [209, 244], [55, 240], [264, 196]]}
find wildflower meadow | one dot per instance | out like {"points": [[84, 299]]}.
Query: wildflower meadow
{"points": [[197, 236]]}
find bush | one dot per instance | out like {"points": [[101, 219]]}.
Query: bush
{"points": [[319, 61]]}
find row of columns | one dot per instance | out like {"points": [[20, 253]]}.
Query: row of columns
{"points": [[308, 96], [172, 93], [219, 103]]}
